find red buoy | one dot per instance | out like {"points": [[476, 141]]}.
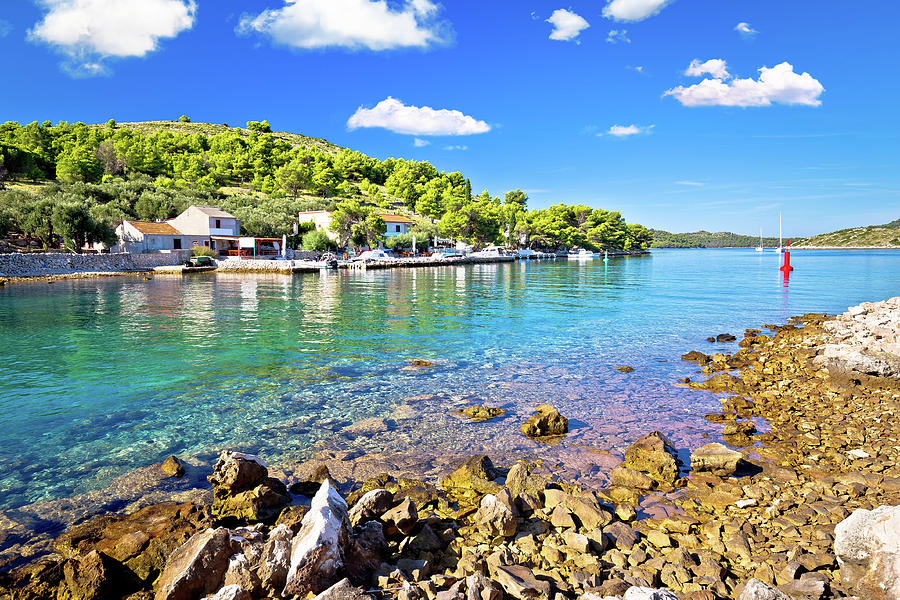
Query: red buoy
{"points": [[786, 267]]}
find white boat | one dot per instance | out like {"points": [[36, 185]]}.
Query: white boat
{"points": [[760, 247], [489, 252], [582, 254], [526, 253], [377, 254]]}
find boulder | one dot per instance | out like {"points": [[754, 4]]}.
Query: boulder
{"points": [[715, 458], [494, 518], [309, 485], [197, 567], [172, 467], [482, 413], [243, 490], [95, 576], [476, 474], [371, 506], [630, 478], [725, 337], [697, 357], [655, 456], [231, 592], [479, 587], [365, 552], [520, 582], [522, 480], [317, 551], [645, 593], [240, 572], [142, 541], [757, 590], [739, 428], [867, 545], [546, 421], [275, 560], [343, 590], [400, 519]]}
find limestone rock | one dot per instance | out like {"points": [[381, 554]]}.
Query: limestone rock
{"points": [[520, 582], [231, 592], [477, 473], [310, 484], [545, 422], [494, 518], [197, 567], [172, 467], [401, 519], [243, 490], [631, 478], [482, 413], [365, 552], [645, 593], [275, 560], [479, 587], [521, 480], [757, 590], [371, 506], [655, 456], [867, 545], [141, 541], [317, 551], [343, 590], [94, 577], [715, 458]]}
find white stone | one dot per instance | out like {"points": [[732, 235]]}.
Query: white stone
{"points": [[867, 545], [645, 593], [317, 551]]}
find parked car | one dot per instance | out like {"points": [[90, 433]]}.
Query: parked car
{"points": [[199, 261]]}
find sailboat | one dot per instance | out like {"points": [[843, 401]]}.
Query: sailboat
{"points": [[779, 249], [760, 247]]}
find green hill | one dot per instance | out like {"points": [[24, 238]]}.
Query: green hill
{"points": [[706, 239], [71, 183], [873, 236]]}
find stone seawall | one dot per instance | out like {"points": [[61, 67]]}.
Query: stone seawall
{"points": [[40, 265]]}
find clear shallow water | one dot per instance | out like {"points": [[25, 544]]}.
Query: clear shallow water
{"points": [[99, 377]]}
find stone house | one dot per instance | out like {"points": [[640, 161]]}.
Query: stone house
{"points": [[191, 228]]}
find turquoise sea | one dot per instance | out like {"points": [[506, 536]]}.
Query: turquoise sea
{"points": [[99, 377]]}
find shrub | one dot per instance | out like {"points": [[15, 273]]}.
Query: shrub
{"points": [[318, 241], [203, 251]]}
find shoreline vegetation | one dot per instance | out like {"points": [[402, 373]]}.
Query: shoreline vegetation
{"points": [[772, 515], [70, 185]]}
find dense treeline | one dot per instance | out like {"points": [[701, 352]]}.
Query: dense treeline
{"points": [[106, 173], [705, 239]]}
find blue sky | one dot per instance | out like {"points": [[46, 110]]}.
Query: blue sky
{"points": [[657, 109]]}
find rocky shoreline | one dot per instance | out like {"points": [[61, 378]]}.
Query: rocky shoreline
{"points": [[793, 513]]}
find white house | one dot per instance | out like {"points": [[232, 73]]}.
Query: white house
{"points": [[191, 228], [394, 224]]}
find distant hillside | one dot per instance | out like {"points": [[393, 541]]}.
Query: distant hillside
{"points": [[706, 239], [878, 236]]}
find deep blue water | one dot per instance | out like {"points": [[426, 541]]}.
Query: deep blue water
{"points": [[101, 376]]}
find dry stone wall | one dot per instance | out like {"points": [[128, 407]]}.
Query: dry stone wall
{"points": [[37, 265]]}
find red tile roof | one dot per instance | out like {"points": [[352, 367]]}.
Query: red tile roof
{"points": [[389, 218], [154, 228]]}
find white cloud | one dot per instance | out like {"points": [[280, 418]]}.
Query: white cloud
{"points": [[452, 148], [633, 10], [354, 24], [778, 84], [618, 35], [90, 30], [395, 116], [690, 183], [566, 25], [420, 143], [624, 131], [714, 66], [5, 28], [746, 31]]}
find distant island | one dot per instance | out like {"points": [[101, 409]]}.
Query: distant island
{"points": [[706, 239], [873, 236]]}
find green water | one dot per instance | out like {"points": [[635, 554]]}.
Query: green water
{"points": [[99, 377]]}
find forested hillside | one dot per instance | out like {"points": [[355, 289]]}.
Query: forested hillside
{"points": [[875, 236], [73, 183], [705, 239]]}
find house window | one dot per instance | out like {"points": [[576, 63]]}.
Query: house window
{"points": [[176, 243], [206, 243], [399, 228], [218, 224]]}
